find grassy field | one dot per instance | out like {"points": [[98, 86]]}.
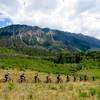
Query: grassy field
{"points": [[6, 51], [38, 65], [15, 64], [91, 68], [41, 91], [90, 72], [89, 90]]}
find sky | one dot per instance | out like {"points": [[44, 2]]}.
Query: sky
{"points": [[78, 16]]}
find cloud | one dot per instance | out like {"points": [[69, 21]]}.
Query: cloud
{"points": [[45, 6], [80, 16], [9, 7], [85, 5]]}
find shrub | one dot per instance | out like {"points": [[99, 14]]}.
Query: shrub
{"points": [[62, 87], [92, 91], [11, 86], [83, 94], [52, 87], [98, 94]]}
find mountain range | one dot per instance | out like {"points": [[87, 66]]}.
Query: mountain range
{"points": [[24, 36]]}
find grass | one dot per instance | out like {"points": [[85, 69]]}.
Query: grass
{"points": [[92, 91], [11, 86], [91, 64], [38, 65], [6, 51], [90, 68], [83, 94], [89, 90], [41, 91], [90, 73]]}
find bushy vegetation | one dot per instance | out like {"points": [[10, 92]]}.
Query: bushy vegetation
{"points": [[83, 94], [39, 65], [11, 86], [6, 51], [50, 62]]}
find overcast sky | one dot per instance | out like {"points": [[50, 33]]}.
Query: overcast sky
{"points": [[79, 16]]}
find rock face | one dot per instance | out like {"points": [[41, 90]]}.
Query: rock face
{"points": [[23, 36]]}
